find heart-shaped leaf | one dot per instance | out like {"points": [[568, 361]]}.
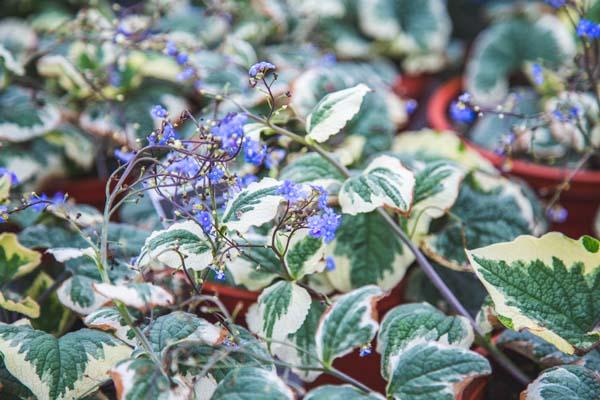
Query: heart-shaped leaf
{"points": [[65, 368], [143, 296], [251, 383], [110, 320], [548, 285], [566, 382]]}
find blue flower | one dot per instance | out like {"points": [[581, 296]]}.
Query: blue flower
{"points": [[589, 29], [168, 134], [14, 180], [219, 275], [186, 74], [159, 111], [323, 197], [557, 214], [538, 74], [185, 166], [254, 152], [556, 3], [324, 225], [274, 158], [3, 214], [329, 263], [171, 49], [461, 112], [365, 350], [231, 131], [290, 191], [40, 202], [124, 156], [328, 60], [411, 106], [215, 175], [181, 58], [247, 179], [205, 221], [261, 68]]}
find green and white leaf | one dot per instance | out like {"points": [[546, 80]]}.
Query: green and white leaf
{"points": [[437, 186], [16, 260], [281, 310], [334, 111], [305, 254], [385, 182], [251, 383], [433, 371], [367, 251], [184, 240], [534, 348], [549, 286], [22, 118], [300, 347], [507, 46], [407, 323], [81, 214], [341, 392], [22, 305], [143, 296], [253, 206], [313, 169], [169, 329], [562, 383], [56, 369], [480, 217], [77, 294], [140, 379], [350, 322], [256, 267], [110, 320]]}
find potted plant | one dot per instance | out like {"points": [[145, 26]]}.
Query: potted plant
{"points": [[519, 128]]}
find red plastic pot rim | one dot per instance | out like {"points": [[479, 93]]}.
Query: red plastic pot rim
{"points": [[438, 119]]}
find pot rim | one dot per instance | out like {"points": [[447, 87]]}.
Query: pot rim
{"points": [[438, 119]]}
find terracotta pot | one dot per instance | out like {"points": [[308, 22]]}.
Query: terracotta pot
{"points": [[237, 301], [581, 200], [84, 191], [411, 86]]}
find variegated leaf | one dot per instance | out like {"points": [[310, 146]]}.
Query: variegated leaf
{"points": [[334, 111], [367, 251], [300, 347], [548, 285], [280, 311], [16, 260], [56, 369], [350, 322], [305, 254], [562, 383], [81, 214], [110, 320], [26, 306], [404, 324], [385, 182], [256, 267], [171, 328], [313, 169], [433, 371], [77, 294], [249, 383], [437, 186], [183, 242], [5, 183], [253, 206], [140, 379], [341, 392], [143, 296]]}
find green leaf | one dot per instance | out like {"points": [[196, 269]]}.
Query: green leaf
{"points": [[341, 392], [437, 185], [480, 217], [300, 347], [350, 322], [367, 251], [64, 368], [280, 311], [26, 306], [569, 382], [143, 296], [42, 236], [507, 46], [10, 387], [253, 206], [534, 348], [334, 111], [54, 317], [110, 320], [257, 267], [433, 371], [140, 379], [385, 182], [23, 117], [171, 328], [311, 168], [305, 254], [404, 324], [550, 286], [250, 383], [77, 293], [16, 260], [183, 242]]}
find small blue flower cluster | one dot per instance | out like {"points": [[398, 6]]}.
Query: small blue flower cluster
{"points": [[557, 214], [462, 112], [538, 74], [291, 192], [167, 132], [205, 221], [182, 59], [588, 29], [556, 3], [254, 152], [41, 201], [230, 130], [14, 180], [260, 69], [124, 156]]}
